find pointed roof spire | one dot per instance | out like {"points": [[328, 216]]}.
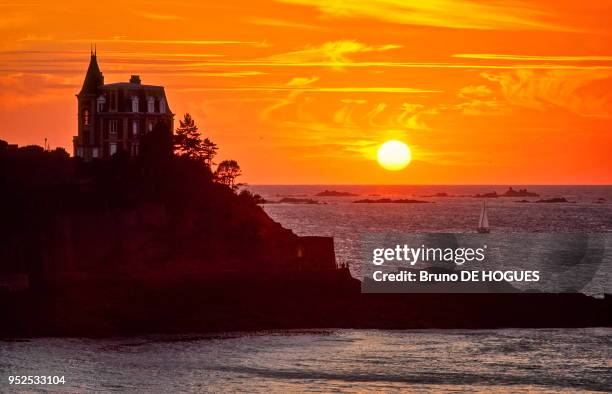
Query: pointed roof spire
{"points": [[94, 77]]}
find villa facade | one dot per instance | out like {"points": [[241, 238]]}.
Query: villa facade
{"points": [[113, 117]]}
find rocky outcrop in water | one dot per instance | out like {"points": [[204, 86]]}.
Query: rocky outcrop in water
{"points": [[553, 200], [519, 193], [508, 193]]}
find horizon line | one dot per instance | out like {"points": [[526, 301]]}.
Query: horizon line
{"points": [[429, 184]]}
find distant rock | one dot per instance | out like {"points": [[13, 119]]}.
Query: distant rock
{"points": [[438, 195], [333, 193], [518, 193], [554, 200], [508, 193], [486, 195], [390, 201]]}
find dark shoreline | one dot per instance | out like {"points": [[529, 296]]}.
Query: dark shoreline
{"points": [[155, 244], [225, 302]]}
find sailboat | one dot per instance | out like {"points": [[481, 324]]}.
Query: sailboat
{"points": [[483, 223]]}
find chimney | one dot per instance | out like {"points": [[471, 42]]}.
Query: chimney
{"points": [[135, 79]]}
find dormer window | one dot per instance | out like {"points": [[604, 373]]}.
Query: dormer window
{"points": [[162, 106], [101, 102], [150, 104], [135, 103], [86, 117]]}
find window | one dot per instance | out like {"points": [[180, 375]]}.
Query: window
{"points": [[150, 104], [162, 106], [112, 126], [135, 127], [79, 152], [94, 153], [150, 126], [101, 102], [112, 148], [135, 104], [86, 117]]}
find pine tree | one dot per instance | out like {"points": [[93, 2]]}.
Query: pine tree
{"points": [[209, 151], [187, 141]]}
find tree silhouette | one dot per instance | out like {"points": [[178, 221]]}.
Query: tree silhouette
{"points": [[188, 142], [209, 151], [227, 172]]}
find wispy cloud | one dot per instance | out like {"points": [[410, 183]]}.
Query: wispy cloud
{"points": [[334, 53], [345, 114], [480, 107], [475, 91], [230, 74], [584, 93], [480, 100], [561, 58], [337, 55], [302, 81], [295, 83], [24, 89], [459, 14], [108, 55], [282, 23], [280, 61], [354, 89], [125, 40]]}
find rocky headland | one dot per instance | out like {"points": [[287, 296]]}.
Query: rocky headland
{"points": [[155, 245]]}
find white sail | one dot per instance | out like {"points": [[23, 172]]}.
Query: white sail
{"points": [[484, 219]]}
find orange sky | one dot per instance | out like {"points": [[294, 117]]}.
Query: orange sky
{"points": [[303, 91]]}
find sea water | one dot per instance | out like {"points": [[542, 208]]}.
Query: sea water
{"points": [[508, 360], [589, 210]]}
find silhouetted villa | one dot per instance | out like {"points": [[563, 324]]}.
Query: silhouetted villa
{"points": [[112, 117]]}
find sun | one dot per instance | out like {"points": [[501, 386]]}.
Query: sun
{"points": [[394, 155]]}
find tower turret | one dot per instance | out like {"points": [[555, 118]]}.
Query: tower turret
{"points": [[94, 77]]}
